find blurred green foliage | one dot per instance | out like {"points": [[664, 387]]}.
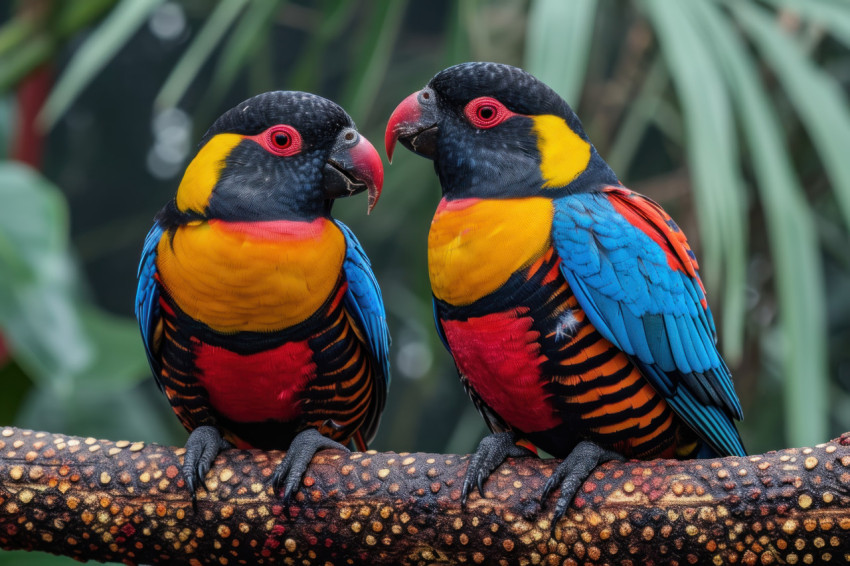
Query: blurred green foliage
{"points": [[732, 113]]}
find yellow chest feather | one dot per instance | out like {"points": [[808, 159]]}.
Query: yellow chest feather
{"points": [[259, 276], [475, 245]]}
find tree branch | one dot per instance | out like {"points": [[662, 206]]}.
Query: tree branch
{"points": [[122, 501]]}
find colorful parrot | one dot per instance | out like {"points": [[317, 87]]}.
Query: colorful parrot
{"points": [[262, 320], [571, 305]]}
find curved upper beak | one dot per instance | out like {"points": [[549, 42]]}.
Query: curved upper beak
{"points": [[414, 126], [353, 169]]}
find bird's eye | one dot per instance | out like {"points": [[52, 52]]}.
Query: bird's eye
{"points": [[282, 140], [486, 112]]}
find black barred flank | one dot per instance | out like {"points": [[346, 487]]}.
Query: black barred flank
{"points": [[580, 387], [585, 366], [624, 415]]}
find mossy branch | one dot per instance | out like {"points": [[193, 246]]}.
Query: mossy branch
{"points": [[122, 501]]}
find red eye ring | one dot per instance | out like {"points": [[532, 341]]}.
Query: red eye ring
{"points": [[486, 112], [282, 140]]}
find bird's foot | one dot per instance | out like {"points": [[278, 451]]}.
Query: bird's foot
{"points": [[491, 451], [572, 472], [291, 469], [204, 444]]}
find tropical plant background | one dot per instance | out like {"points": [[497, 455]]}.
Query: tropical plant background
{"points": [[732, 113]]}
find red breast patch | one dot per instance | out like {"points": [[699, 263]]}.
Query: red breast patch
{"points": [[500, 356], [256, 387]]}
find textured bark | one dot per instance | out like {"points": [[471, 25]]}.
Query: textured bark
{"points": [[123, 501]]}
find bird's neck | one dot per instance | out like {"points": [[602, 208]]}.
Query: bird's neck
{"points": [[488, 175], [171, 216], [493, 175]]}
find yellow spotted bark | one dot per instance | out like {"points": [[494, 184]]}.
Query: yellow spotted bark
{"points": [[127, 502]]}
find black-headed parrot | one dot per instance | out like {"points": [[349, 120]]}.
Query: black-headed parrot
{"points": [[572, 306], [260, 314]]}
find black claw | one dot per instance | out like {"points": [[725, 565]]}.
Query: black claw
{"points": [[572, 472], [491, 452], [464, 492], [291, 469], [204, 444]]}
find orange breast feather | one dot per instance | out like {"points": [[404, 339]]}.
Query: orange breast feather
{"points": [[251, 276], [475, 245]]}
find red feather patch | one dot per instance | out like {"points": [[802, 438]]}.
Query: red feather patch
{"points": [[257, 387], [276, 230], [646, 215], [500, 356]]}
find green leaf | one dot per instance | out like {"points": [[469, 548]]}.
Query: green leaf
{"points": [[467, 433], [58, 340], [833, 16], [373, 58], [792, 235], [22, 60], [7, 119], [119, 359], [16, 32], [336, 14], [27, 558], [251, 33], [639, 115], [26, 42], [712, 151], [37, 312], [816, 96], [97, 50], [558, 42], [16, 386], [189, 65], [140, 413], [71, 17], [456, 42]]}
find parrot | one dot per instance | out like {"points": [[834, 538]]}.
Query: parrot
{"points": [[260, 314], [572, 306]]}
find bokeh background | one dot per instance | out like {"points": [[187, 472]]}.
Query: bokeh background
{"points": [[733, 114]]}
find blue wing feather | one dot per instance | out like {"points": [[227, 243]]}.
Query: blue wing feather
{"points": [[439, 326], [147, 297], [621, 278], [363, 301]]}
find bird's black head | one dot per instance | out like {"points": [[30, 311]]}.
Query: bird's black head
{"points": [[279, 156], [494, 130]]}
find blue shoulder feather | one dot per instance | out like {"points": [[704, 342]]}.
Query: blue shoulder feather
{"points": [[364, 301], [147, 297], [440, 333]]}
